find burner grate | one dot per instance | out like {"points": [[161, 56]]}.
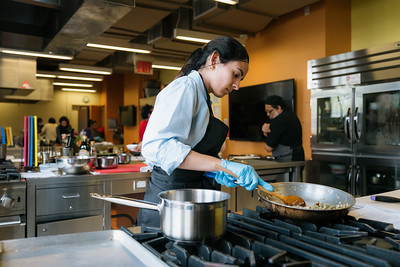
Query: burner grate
{"points": [[259, 238]]}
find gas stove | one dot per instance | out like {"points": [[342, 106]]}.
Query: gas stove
{"points": [[260, 238]]}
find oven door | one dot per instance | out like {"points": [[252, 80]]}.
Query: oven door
{"points": [[12, 227], [377, 175], [335, 170], [377, 119], [330, 120]]}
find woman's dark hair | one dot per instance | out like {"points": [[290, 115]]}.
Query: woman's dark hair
{"points": [[52, 120], [229, 49], [275, 101], [63, 118], [146, 110]]}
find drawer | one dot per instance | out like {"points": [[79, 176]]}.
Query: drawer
{"points": [[80, 225], [67, 199], [121, 187]]}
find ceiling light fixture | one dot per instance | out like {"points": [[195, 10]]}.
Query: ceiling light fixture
{"points": [[73, 84], [43, 75], [78, 90], [80, 78], [193, 36], [85, 69], [165, 67], [229, 2], [73, 76], [34, 54], [119, 48]]}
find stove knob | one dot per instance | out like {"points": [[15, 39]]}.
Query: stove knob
{"points": [[6, 201]]}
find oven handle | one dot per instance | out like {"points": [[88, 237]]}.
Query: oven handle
{"points": [[349, 178], [347, 125], [10, 223], [356, 122], [357, 186], [72, 195]]}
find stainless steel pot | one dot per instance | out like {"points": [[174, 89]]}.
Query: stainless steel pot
{"points": [[124, 158], [311, 193], [186, 215], [106, 162]]}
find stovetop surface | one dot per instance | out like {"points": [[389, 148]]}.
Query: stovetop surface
{"points": [[8, 172], [260, 238]]}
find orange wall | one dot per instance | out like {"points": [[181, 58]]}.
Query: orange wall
{"points": [[134, 85], [282, 50]]}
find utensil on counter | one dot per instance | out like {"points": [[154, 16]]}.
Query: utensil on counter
{"points": [[186, 215], [75, 165], [311, 193], [385, 198], [106, 162], [290, 200]]}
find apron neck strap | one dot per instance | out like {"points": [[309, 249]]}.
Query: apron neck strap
{"points": [[208, 97]]}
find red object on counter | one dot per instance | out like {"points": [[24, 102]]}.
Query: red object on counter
{"points": [[122, 168]]}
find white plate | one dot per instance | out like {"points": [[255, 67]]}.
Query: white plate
{"points": [[131, 146]]}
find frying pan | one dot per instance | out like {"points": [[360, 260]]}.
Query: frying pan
{"points": [[186, 215], [311, 193]]}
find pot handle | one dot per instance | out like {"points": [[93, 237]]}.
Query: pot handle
{"points": [[126, 201]]}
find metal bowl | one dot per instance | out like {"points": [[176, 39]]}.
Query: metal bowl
{"points": [[124, 158], [106, 162], [74, 165]]}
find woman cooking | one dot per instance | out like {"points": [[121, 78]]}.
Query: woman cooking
{"points": [[183, 138]]}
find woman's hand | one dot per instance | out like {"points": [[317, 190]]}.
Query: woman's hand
{"points": [[248, 177]]}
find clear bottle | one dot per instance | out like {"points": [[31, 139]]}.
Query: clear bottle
{"points": [[93, 152], [84, 149]]}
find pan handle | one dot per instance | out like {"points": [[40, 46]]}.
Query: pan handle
{"points": [[126, 201]]}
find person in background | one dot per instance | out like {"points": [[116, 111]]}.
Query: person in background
{"points": [[49, 131], [284, 132], [64, 128], [91, 130], [145, 113], [183, 138], [39, 125]]}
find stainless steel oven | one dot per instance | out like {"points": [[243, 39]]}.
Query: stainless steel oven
{"points": [[355, 111], [331, 129], [12, 202], [378, 125]]}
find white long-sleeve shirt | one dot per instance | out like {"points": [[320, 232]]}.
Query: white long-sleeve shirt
{"points": [[177, 124]]}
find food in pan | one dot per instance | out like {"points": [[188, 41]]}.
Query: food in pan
{"points": [[325, 206]]}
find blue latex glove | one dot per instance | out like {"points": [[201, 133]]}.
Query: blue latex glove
{"points": [[246, 173], [222, 178]]}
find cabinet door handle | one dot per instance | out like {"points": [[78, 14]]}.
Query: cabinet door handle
{"points": [[72, 195]]}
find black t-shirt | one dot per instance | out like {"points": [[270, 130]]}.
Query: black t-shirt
{"points": [[285, 130]]}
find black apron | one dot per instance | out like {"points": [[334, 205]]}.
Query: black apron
{"points": [[160, 181]]}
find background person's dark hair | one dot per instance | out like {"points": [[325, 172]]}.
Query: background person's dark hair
{"points": [[275, 101], [63, 118], [146, 110], [52, 120], [91, 122], [229, 49]]}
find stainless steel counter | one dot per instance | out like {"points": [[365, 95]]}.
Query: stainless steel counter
{"points": [[62, 204]]}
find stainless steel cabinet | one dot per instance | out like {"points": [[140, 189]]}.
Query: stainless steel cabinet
{"points": [[85, 224], [61, 205]]}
